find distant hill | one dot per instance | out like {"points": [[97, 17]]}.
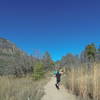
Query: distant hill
{"points": [[9, 49], [13, 60]]}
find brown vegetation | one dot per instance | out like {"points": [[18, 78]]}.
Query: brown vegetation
{"points": [[20, 88], [84, 81]]}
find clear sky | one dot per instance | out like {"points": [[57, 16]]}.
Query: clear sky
{"points": [[57, 26]]}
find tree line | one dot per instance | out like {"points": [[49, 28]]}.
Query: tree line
{"points": [[14, 61]]}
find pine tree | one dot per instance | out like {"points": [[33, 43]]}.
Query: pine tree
{"points": [[90, 52], [38, 70]]}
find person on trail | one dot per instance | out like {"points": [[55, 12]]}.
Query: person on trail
{"points": [[58, 78]]}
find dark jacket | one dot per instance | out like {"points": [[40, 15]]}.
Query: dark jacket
{"points": [[58, 76]]}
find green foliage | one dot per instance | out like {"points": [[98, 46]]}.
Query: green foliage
{"points": [[99, 49], [38, 70], [90, 51]]}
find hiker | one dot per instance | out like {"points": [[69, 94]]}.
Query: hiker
{"points": [[58, 78]]}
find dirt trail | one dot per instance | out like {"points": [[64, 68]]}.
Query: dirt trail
{"points": [[51, 93]]}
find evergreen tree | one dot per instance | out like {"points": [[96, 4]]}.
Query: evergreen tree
{"points": [[38, 70], [90, 52]]}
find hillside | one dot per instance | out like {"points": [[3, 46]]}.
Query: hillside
{"points": [[13, 60]]}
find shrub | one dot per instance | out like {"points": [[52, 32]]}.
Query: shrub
{"points": [[38, 70]]}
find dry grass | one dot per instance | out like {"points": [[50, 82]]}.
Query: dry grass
{"points": [[20, 88], [84, 81]]}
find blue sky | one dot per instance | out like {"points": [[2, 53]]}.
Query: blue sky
{"points": [[57, 26]]}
